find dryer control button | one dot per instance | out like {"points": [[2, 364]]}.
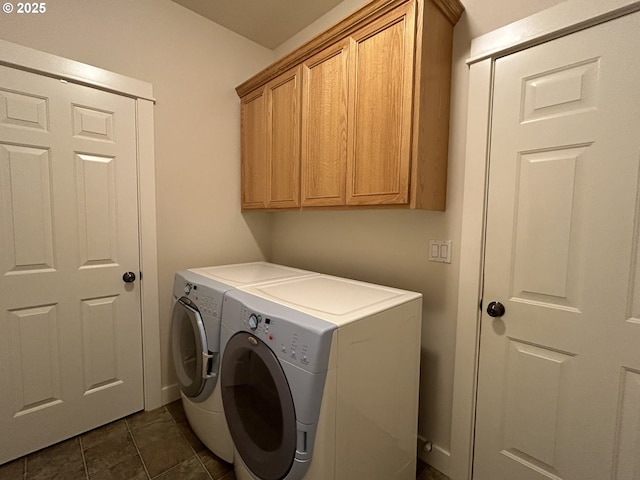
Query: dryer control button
{"points": [[253, 321]]}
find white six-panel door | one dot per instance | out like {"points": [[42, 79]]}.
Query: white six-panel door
{"points": [[70, 328], [559, 374]]}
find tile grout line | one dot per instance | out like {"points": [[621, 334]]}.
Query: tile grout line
{"points": [[189, 443], [135, 444], [84, 460]]}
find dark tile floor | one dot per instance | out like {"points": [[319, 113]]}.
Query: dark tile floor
{"points": [[427, 472], [157, 445]]}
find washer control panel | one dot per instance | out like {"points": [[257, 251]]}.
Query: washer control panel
{"points": [[254, 321], [293, 336], [288, 343]]}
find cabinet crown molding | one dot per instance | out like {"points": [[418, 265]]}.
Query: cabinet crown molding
{"points": [[452, 9]]}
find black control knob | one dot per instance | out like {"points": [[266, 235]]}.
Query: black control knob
{"points": [[129, 277], [495, 309]]}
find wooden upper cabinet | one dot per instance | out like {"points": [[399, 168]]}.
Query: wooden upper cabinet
{"points": [[283, 140], [381, 81], [270, 144], [356, 117], [324, 127], [253, 144]]}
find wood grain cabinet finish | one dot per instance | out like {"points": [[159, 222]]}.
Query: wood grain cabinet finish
{"points": [[283, 140], [325, 91], [357, 117], [253, 145], [270, 144], [381, 67]]}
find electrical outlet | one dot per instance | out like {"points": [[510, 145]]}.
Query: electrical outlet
{"points": [[440, 251]]}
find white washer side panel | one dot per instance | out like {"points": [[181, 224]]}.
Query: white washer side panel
{"points": [[377, 409]]}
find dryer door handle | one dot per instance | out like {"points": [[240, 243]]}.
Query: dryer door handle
{"points": [[208, 365]]}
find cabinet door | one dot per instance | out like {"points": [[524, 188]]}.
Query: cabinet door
{"points": [[381, 83], [283, 140], [254, 150], [324, 127]]}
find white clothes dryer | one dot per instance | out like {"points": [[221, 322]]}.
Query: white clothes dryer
{"points": [[319, 379], [195, 341]]}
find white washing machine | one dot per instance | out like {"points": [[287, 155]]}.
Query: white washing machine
{"points": [[195, 341], [319, 379]]}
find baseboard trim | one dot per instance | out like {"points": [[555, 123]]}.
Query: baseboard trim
{"points": [[439, 458], [170, 393]]}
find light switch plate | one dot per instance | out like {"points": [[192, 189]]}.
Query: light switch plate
{"points": [[440, 251]]}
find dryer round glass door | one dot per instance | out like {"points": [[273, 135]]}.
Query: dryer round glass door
{"points": [[191, 357], [258, 406]]}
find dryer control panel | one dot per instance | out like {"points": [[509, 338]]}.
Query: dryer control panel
{"points": [[203, 298], [295, 337], [205, 294]]}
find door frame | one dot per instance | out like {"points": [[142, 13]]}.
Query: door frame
{"points": [[560, 20], [35, 61]]}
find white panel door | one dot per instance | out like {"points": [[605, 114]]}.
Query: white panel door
{"points": [[559, 374], [70, 328]]}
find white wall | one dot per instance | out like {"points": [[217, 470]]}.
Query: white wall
{"points": [[390, 247], [194, 66]]}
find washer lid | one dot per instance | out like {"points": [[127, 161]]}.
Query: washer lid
{"points": [[244, 274], [335, 299]]}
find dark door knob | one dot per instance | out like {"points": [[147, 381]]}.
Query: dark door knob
{"points": [[129, 277], [495, 309]]}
